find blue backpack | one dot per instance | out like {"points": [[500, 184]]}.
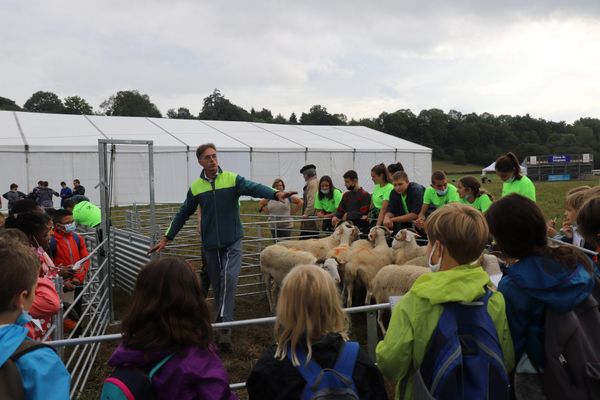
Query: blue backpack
{"points": [[464, 359], [329, 383], [130, 383]]}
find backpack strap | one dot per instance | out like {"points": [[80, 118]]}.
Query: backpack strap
{"points": [[77, 240], [309, 372], [162, 362], [27, 346], [347, 358], [52, 247]]}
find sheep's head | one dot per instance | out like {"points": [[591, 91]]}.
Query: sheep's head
{"points": [[404, 235], [378, 231], [331, 266]]}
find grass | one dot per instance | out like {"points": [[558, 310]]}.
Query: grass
{"points": [[451, 168], [250, 342]]}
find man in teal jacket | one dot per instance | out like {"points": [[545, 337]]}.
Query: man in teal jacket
{"points": [[217, 193]]}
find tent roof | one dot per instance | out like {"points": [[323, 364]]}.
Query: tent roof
{"points": [[79, 133]]}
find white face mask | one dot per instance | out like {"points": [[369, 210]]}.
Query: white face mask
{"points": [[325, 191], [434, 267]]}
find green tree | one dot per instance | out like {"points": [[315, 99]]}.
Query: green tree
{"points": [[280, 119], [318, 115], [263, 115], [130, 103], [293, 119], [77, 105], [8, 104], [44, 102], [181, 113], [216, 107]]}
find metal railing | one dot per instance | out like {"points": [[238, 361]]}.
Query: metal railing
{"points": [[370, 310], [94, 302]]}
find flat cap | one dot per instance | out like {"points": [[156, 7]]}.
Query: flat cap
{"points": [[309, 166]]}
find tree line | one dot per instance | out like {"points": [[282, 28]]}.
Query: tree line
{"points": [[453, 136]]}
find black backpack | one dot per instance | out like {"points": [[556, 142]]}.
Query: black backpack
{"points": [[11, 382], [572, 346]]}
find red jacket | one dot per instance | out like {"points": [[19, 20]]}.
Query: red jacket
{"points": [[68, 253], [45, 304]]}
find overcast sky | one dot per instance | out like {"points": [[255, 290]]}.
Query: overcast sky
{"points": [[354, 57]]}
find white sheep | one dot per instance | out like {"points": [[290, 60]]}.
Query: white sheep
{"points": [[394, 280], [363, 263], [344, 233], [276, 261], [405, 246]]}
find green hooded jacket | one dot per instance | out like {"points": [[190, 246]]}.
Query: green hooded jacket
{"points": [[416, 316]]}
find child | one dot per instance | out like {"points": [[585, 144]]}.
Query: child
{"points": [[436, 196], [355, 203], [588, 220], [556, 277], [470, 193], [309, 317], [457, 236], [36, 227], [168, 315], [405, 202], [42, 372], [509, 170]]}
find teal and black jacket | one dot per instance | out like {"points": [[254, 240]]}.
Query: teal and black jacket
{"points": [[219, 202]]}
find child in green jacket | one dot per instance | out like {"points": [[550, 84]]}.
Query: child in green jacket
{"points": [[457, 236]]}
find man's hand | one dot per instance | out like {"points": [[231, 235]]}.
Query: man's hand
{"points": [[419, 223], [281, 195], [160, 245], [335, 221], [387, 222]]}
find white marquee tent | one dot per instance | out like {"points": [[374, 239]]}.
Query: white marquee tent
{"points": [[59, 147]]}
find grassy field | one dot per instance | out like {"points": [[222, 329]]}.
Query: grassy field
{"points": [[250, 342]]}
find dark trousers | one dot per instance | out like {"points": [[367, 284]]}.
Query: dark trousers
{"points": [[280, 233]]}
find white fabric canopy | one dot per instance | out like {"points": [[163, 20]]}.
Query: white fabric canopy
{"points": [[61, 147], [492, 168]]}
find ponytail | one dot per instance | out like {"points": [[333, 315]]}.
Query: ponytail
{"points": [[381, 170], [509, 163]]}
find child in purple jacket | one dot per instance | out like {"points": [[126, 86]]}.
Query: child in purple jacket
{"points": [[168, 315]]}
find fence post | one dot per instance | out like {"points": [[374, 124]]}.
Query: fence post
{"points": [[372, 333], [58, 318]]}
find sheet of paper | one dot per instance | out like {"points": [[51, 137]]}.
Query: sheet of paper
{"points": [[496, 279]]}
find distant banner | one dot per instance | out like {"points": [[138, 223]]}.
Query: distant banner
{"points": [[555, 178], [559, 159]]}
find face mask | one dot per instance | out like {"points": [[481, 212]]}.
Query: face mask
{"points": [[325, 191], [70, 227], [468, 197], [441, 192], [23, 318], [351, 187], [509, 180], [434, 267]]}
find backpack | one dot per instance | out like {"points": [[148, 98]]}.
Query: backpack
{"points": [[53, 244], [130, 383], [464, 359], [572, 350], [11, 382], [329, 383]]}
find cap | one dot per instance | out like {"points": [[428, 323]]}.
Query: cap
{"points": [[309, 166]]}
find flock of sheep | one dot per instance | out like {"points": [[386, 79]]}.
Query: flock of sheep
{"points": [[384, 271]]}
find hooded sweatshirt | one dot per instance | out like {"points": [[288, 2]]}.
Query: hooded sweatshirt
{"points": [[415, 318], [193, 373], [43, 373], [531, 285]]}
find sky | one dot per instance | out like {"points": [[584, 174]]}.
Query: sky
{"points": [[358, 58]]}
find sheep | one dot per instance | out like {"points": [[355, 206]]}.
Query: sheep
{"points": [[394, 280], [343, 234], [488, 262], [276, 261], [363, 263], [405, 246]]}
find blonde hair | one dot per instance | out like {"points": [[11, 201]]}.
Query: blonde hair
{"points": [[591, 193], [575, 200], [309, 307], [462, 229], [577, 189]]}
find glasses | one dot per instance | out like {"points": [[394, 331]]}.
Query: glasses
{"points": [[210, 157]]}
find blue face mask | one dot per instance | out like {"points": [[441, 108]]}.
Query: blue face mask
{"points": [[441, 192], [70, 227], [23, 318]]}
